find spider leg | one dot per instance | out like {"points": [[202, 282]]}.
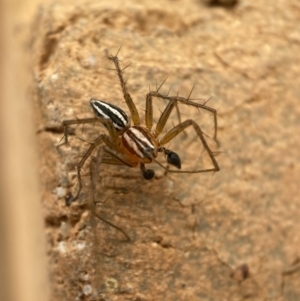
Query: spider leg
{"points": [[109, 149], [94, 170], [67, 123], [185, 101], [111, 161], [179, 116], [112, 225], [131, 106], [116, 157], [101, 139], [177, 108], [149, 108], [179, 128], [149, 112], [163, 117], [178, 112], [104, 121]]}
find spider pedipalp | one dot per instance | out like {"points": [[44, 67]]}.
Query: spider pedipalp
{"points": [[148, 174], [173, 159]]}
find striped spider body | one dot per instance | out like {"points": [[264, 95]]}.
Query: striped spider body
{"points": [[139, 144], [134, 141]]}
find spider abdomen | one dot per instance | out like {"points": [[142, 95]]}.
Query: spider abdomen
{"points": [[106, 110], [139, 142]]}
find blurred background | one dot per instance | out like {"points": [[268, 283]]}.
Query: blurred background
{"points": [[233, 235]]}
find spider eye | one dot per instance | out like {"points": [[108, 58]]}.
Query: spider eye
{"points": [[174, 159], [148, 174]]}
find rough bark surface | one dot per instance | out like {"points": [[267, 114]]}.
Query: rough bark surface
{"points": [[233, 236]]}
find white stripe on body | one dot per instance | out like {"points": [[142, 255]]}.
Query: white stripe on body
{"points": [[112, 110], [140, 143], [133, 145]]}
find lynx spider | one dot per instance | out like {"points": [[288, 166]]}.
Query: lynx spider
{"points": [[137, 144]]}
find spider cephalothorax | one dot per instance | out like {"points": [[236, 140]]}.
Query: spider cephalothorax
{"points": [[138, 144]]}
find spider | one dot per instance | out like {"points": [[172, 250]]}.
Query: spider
{"points": [[138, 144]]}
